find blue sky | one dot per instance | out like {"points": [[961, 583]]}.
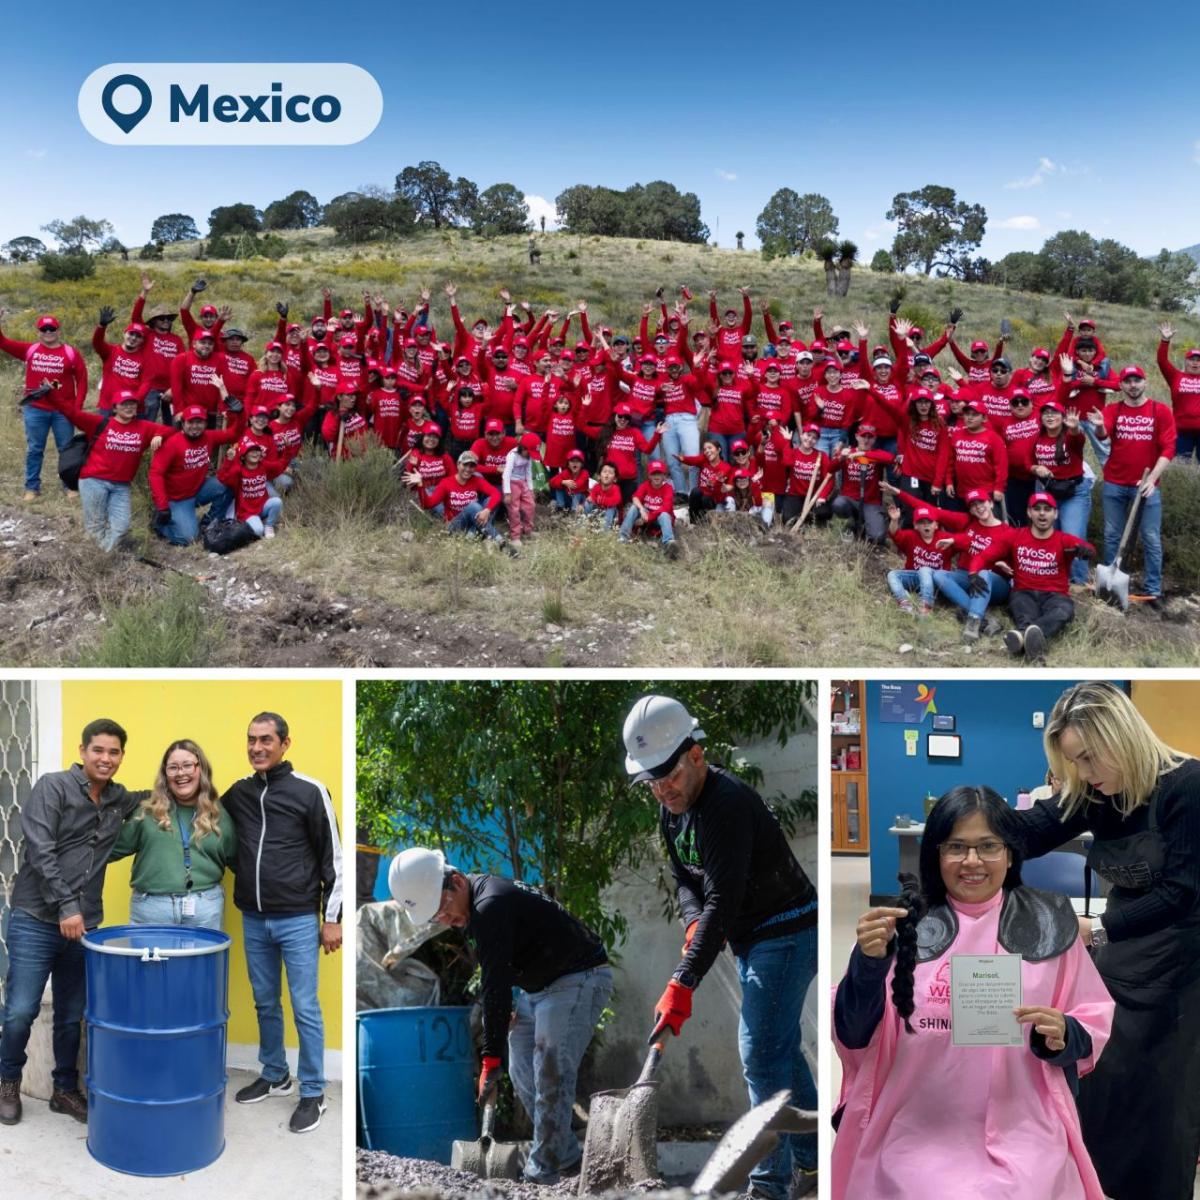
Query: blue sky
{"points": [[1051, 117]]}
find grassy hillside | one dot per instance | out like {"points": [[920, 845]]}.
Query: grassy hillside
{"points": [[384, 587]]}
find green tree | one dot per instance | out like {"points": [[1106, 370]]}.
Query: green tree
{"points": [[791, 224], [528, 778], [70, 267], [24, 249], [357, 218], [1022, 269], [587, 210], [151, 250], [1066, 262], [1174, 281], [501, 209], [174, 227], [80, 235], [234, 218], [434, 196], [882, 262], [298, 210], [935, 229]]}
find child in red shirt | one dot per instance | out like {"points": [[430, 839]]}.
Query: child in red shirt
{"points": [[569, 488], [926, 549], [605, 496], [245, 472], [653, 505]]}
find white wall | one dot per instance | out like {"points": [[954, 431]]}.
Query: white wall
{"points": [[701, 1074]]}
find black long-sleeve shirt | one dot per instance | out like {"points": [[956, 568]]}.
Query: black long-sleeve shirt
{"points": [[1173, 897], [734, 871], [523, 939]]}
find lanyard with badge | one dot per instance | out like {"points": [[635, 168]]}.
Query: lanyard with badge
{"points": [[188, 908]]}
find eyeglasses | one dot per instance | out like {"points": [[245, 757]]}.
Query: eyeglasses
{"points": [[671, 778], [989, 850], [173, 769]]}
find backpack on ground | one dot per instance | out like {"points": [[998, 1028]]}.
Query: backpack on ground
{"points": [[224, 537]]}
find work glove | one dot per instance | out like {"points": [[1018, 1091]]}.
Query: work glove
{"points": [[198, 286], [955, 315], [687, 937], [894, 306], [233, 404], [162, 516], [107, 316], [1005, 327], [281, 307], [489, 1076], [1084, 553], [976, 584], [673, 1008], [344, 416], [43, 389]]}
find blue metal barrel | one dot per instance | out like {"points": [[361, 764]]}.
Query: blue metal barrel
{"points": [[157, 1005], [416, 1070]]}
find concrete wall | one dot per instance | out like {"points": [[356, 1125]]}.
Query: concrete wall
{"points": [[701, 1074]]}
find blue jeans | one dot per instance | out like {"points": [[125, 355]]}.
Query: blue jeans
{"points": [[570, 501], [39, 424], [167, 909], [682, 436], [546, 1044], [664, 524], [153, 403], [37, 952], [1073, 515], [775, 975], [107, 511], [831, 438], [1117, 499], [465, 522], [1187, 446], [724, 440], [292, 943], [184, 526], [272, 511], [902, 583], [610, 514], [953, 585]]}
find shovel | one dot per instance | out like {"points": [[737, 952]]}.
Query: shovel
{"points": [[621, 1147], [750, 1139], [487, 1158], [1111, 582]]}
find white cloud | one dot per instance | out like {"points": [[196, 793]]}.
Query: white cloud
{"points": [[1021, 222], [540, 207], [728, 176], [1046, 166], [42, 153], [873, 233]]}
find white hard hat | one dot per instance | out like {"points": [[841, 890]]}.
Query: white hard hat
{"points": [[657, 726], [415, 881]]}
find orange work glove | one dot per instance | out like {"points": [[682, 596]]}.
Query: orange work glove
{"points": [[673, 1008]]}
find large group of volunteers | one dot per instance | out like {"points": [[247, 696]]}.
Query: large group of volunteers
{"points": [[975, 471]]}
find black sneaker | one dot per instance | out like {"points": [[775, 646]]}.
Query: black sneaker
{"points": [[991, 627], [308, 1114], [1035, 645], [261, 1088], [70, 1104], [1155, 605], [1014, 641], [971, 628]]}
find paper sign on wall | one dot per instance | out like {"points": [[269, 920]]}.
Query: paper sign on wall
{"points": [[910, 742]]}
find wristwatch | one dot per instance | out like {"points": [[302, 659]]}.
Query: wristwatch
{"points": [[1099, 935]]}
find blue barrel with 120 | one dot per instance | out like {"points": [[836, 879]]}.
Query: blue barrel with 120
{"points": [[416, 1072], [157, 1007]]}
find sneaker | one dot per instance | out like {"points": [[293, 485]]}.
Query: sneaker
{"points": [[261, 1088], [804, 1183], [70, 1104], [624, 540], [906, 606], [30, 497], [269, 531], [1035, 645], [1155, 605], [991, 627], [1014, 641], [10, 1101], [308, 1114], [926, 609], [671, 550], [971, 628], [512, 549]]}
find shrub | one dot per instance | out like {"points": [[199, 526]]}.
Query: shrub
{"points": [[74, 266], [367, 490], [170, 630]]}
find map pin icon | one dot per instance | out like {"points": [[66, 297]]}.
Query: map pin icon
{"points": [[126, 122]]}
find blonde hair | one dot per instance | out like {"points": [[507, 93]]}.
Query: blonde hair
{"points": [[157, 806], [1110, 729]]}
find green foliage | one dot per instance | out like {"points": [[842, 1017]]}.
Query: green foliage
{"points": [[359, 218], [656, 210], [500, 210], [298, 210], [272, 246], [936, 229], [169, 630], [791, 224], [151, 251], [59, 267], [174, 227], [434, 196], [362, 491], [1181, 533], [24, 249], [233, 219], [883, 263], [80, 234], [528, 778]]}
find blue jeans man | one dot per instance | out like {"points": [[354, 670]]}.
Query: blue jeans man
{"points": [[184, 526], [39, 424], [1117, 498], [682, 436], [107, 511], [466, 522], [1073, 515], [291, 943], [550, 1033], [37, 952], [775, 976], [663, 521]]}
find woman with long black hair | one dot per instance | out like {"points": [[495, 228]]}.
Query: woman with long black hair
{"points": [[1141, 799], [917, 1112]]}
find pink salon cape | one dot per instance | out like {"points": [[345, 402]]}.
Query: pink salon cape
{"points": [[924, 1117]]}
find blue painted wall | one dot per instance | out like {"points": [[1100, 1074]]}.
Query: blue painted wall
{"points": [[1000, 748]]}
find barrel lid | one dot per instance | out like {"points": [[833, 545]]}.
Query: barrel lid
{"points": [[149, 942]]}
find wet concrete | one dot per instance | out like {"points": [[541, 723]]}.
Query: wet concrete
{"points": [[383, 1176]]}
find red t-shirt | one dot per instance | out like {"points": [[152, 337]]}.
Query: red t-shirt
{"points": [[1139, 437]]}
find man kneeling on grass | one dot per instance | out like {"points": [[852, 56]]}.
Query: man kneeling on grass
{"points": [[653, 504], [468, 501], [1040, 557]]}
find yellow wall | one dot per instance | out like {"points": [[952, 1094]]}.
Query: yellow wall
{"points": [[1170, 706], [156, 712]]}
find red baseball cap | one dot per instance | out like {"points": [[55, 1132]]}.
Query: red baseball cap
{"points": [[194, 412], [1020, 394], [318, 321], [866, 427], [209, 310], [521, 341], [978, 346], [1134, 372], [47, 321], [246, 445], [976, 406], [1042, 498], [1086, 323], [127, 397], [347, 339], [494, 426], [743, 473], [430, 427], [811, 427], [1053, 405], [1040, 352], [294, 328], [673, 360], [656, 467], [136, 327], [346, 312], [785, 325], [844, 346], [738, 444], [924, 514], [205, 335], [726, 368], [1192, 352], [920, 394], [273, 346], [260, 410], [976, 494], [575, 455], [916, 333], [623, 410], [772, 364], [532, 443], [830, 365]]}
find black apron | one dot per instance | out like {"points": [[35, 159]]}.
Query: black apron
{"points": [[1140, 1107]]}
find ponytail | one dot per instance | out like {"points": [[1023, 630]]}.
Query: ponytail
{"points": [[906, 946]]}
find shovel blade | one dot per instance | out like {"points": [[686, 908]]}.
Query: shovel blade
{"points": [[1112, 584], [621, 1146], [487, 1159]]}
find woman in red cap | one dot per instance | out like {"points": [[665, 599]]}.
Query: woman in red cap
{"points": [[1185, 394], [123, 367], [1057, 464], [269, 382]]}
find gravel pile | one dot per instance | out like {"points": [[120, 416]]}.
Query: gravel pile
{"points": [[383, 1176]]}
